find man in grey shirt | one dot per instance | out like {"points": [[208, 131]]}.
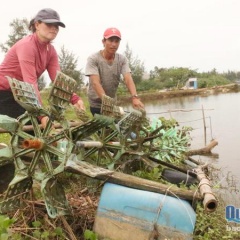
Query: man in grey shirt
{"points": [[104, 69]]}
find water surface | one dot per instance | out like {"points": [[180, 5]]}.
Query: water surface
{"points": [[222, 119]]}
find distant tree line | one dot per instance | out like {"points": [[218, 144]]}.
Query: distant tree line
{"points": [[176, 78], [159, 78]]}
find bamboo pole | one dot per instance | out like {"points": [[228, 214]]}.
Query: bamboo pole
{"points": [[209, 200], [81, 167], [28, 128]]}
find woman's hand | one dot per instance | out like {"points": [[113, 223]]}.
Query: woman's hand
{"points": [[80, 105], [44, 121]]}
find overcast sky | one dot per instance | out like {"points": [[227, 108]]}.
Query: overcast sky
{"points": [[198, 34]]}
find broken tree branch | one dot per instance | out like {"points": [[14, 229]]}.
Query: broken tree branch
{"points": [[204, 151]]}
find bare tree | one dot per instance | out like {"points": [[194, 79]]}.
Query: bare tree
{"points": [[68, 64], [136, 65]]}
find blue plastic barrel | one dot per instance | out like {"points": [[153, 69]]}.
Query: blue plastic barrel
{"points": [[125, 213]]}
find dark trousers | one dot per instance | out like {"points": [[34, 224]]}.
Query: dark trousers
{"points": [[95, 110], [8, 105]]}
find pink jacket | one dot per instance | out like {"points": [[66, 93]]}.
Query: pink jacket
{"points": [[27, 60]]}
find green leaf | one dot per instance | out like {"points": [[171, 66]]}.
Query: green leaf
{"points": [[58, 231], [36, 224]]}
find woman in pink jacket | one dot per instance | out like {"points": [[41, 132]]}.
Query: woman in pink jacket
{"points": [[27, 59]]}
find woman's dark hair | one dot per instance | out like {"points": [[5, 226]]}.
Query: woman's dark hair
{"points": [[31, 26]]}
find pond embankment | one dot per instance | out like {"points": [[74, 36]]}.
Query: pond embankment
{"points": [[148, 96]]}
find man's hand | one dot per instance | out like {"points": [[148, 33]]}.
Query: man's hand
{"points": [[80, 105], [136, 103]]}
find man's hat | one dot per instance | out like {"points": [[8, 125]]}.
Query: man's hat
{"points": [[112, 32]]}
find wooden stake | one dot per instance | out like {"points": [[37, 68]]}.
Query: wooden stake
{"points": [[204, 127]]}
